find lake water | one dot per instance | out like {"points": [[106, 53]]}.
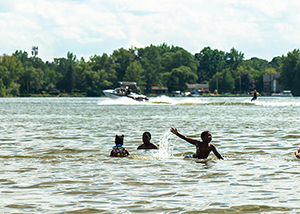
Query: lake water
{"points": [[55, 156]]}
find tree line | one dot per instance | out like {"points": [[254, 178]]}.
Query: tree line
{"points": [[162, 65]]}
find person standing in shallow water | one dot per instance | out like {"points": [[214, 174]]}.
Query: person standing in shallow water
{"points": [[254, 95], [202, 148], [147, 144]]}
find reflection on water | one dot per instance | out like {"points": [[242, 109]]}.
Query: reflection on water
{"points": [[55, 156]]}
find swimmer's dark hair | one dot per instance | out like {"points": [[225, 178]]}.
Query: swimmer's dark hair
{"points": [[147, 134], [119, 139], [204, 134]]}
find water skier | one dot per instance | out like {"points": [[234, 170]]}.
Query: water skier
{"points": [[254, 95]]}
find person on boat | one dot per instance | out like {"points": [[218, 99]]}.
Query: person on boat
{"points": [[202, 148], [119, 150], [123, 91], [128, 90], [297, 153], [147, 144], [254, 95]]}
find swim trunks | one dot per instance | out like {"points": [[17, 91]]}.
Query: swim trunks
{"points": [[190, 156]]}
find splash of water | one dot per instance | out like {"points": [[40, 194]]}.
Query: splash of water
{"points": [[166, 145], [121, 101], [162, 100]]}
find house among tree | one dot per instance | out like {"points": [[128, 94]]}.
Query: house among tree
{"points": [[197, 87], [159, 90], [271, 84]]}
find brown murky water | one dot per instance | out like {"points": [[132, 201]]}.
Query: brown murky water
{"points": [[55, 156]]}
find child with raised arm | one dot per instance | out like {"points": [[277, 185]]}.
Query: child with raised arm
{"points": [[202, 148]]}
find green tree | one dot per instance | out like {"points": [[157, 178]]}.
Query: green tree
{"points": [[2, 89], [257, 64], [95, 81], [234, 58], [248, 83], [21, 56], [150, 59], [210, 62], [290, 72], [70, 79], [106, 64], [234, 61], [79, 69], [178, 78], [224, 80], [91, 80], [14, 89], [31, 80], [122, 59], [61, 65], [275, 62], [178, 57], [12, 71], [5, 76], [134, 72], [51, 78]]}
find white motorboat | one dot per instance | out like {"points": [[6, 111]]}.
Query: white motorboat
{"points": [[127, 89], [283, 94]]}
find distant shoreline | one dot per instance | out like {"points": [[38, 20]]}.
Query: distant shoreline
{"points": [[152, 95]]}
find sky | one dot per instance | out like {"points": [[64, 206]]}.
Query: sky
{"points": [[257, 28]]}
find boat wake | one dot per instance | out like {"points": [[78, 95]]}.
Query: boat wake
{"points": [[239, 101], [121, 101]]}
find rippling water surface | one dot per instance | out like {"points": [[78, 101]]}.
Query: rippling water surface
{"points": [[55, 156]]}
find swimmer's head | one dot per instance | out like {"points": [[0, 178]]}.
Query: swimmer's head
{"points": [[146, 137], [206, 136], [119, 139]]}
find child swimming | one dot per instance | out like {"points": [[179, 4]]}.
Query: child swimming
{"points": [[147, 144], [118, 150], [202, 148]]}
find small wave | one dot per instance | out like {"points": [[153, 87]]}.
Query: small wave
{"points": [[177, 101], [51, 184], [291, 136], [235, 101], [68, 151], [7, 140], [276, 103], [86, 210], [18, 206], [251, 208], [216, 103], [121, 101]]}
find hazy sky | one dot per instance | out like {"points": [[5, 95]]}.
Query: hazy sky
{"points": [[257, 28]]}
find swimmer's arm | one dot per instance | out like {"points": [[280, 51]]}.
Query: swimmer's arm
{"points": [[217, 154], [297, 153], [190, 140], [126, 152]]}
